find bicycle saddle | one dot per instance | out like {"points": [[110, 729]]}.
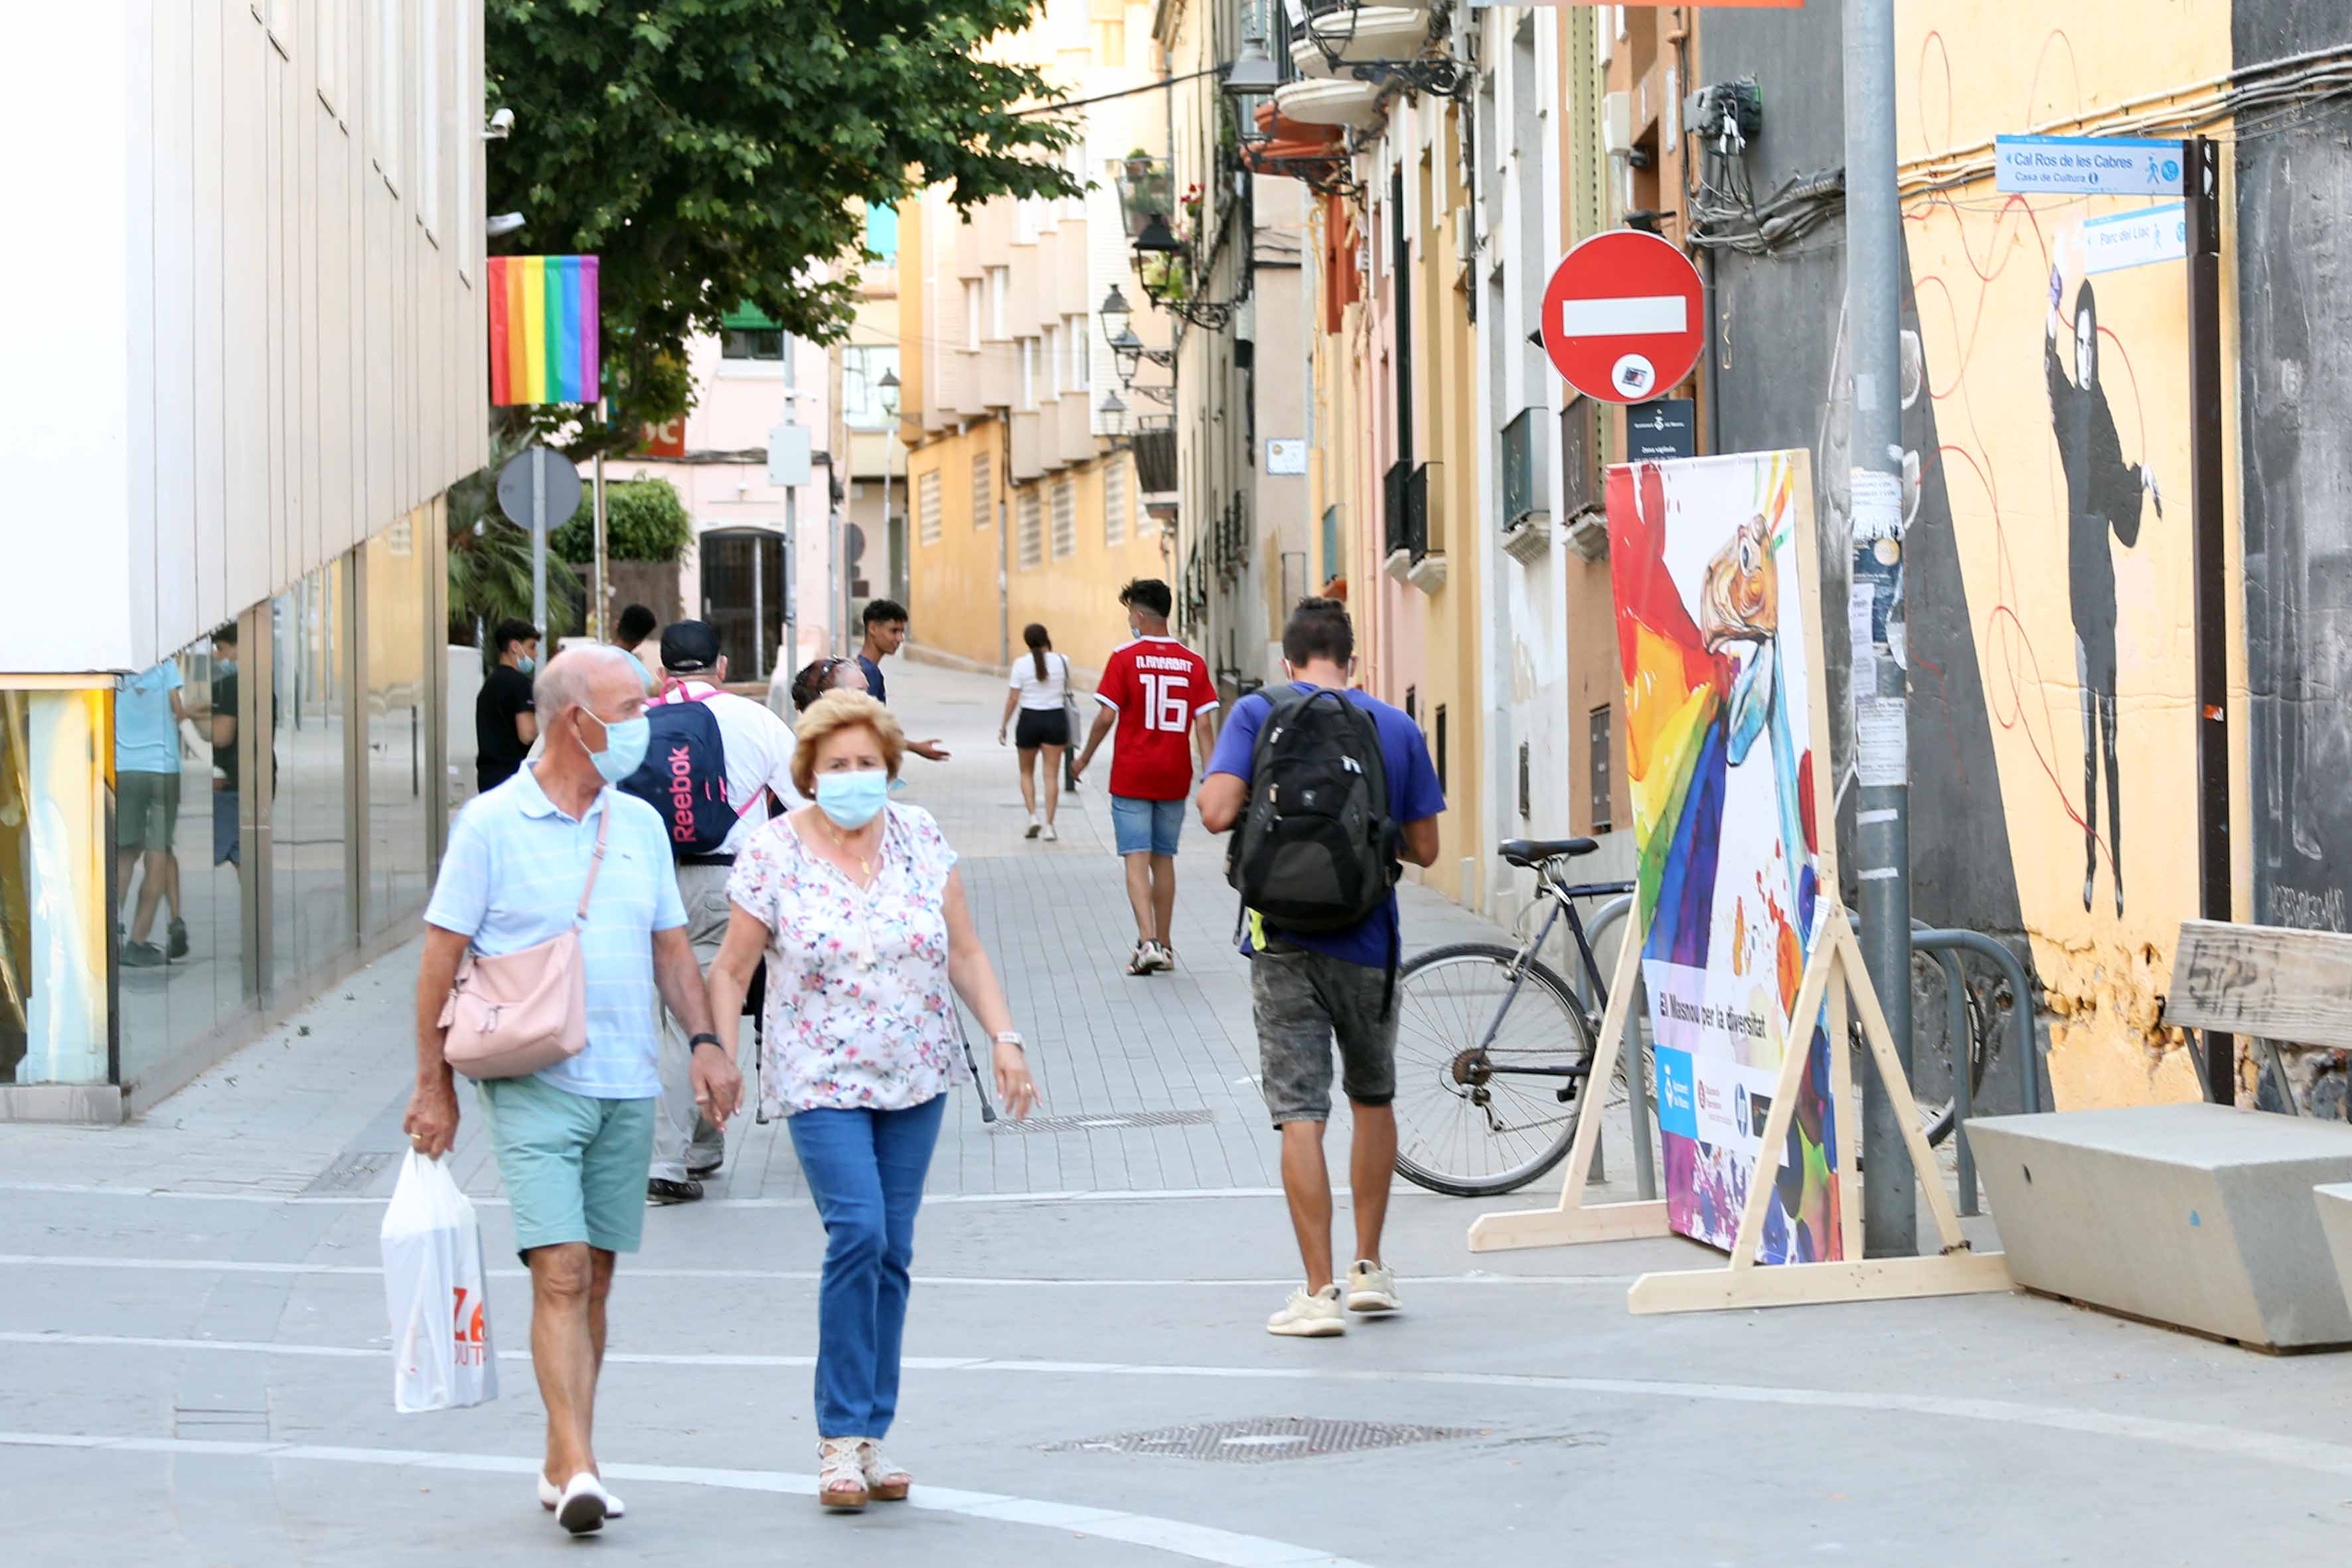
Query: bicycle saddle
{"points": [[1528, 852]]}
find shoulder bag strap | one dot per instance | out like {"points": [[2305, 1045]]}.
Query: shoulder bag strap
{"points": [[604, 827]]}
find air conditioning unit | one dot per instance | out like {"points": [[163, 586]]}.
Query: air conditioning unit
{"points": [[1617, 124]]}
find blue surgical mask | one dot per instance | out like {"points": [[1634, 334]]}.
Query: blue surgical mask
{"points": [[852, 800], [625, 746], [528, 664]]}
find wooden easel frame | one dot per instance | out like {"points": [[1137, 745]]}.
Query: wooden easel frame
{"points": [[1835, 978]]}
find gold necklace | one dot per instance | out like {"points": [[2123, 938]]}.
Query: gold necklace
{"points": [[841, 842]]}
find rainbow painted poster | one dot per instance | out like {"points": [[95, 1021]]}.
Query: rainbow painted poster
{"points": [[543, 330], [1711, 559]]}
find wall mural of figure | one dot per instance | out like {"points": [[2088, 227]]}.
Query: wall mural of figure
{"points": [[2104, 497]]}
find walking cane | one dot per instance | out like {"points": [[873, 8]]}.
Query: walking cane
{"points": [[979, 1084]]}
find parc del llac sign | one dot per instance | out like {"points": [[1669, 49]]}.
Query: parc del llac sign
{"points": [[2088, 165]]}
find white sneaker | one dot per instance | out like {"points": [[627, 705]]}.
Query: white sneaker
{"points": [[1371, 1288], [1033, 826], [584, 1506], [1314, 1316], [1161, 956], [1050, 835], [549, 1495]]}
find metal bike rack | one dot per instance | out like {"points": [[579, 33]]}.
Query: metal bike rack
{"points": [[1946, 944]]}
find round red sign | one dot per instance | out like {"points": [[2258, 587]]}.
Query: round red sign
{"points": [[1623, 317]]}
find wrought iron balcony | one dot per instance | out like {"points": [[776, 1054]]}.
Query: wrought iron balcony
{"points": [[1523, 461], [1395, 511]]}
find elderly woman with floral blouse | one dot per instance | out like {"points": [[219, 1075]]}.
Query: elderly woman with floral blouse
{"points": [[857, 907]]}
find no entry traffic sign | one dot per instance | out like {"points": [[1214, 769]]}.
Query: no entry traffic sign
{"points": [[1623, 317]]}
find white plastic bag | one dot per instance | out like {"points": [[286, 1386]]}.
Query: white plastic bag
{"points": [[434, 1285]]}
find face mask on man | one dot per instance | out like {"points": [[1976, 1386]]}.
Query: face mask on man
{"points": [[852, 800], [527, 664], [625, 741]]}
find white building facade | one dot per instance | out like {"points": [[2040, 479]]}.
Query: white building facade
{"points": [[259, 335]]}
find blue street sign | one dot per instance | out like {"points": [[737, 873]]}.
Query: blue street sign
{"points": [[2088, 166], [2138, 239]]}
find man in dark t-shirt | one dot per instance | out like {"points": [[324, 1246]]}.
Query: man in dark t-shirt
{"points": [[505, 725], [224, 738]]}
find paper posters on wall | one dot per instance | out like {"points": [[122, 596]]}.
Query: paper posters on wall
{"points": [[1717, 637]]}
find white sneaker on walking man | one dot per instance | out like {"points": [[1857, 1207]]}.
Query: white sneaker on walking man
{"points": [[1312, 989], [572, 1141]]}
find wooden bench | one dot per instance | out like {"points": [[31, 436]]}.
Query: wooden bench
{"points": [[2202, 1216]]}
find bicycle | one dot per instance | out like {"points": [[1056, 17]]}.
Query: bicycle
{"points": [[1467, 1125], [1464, 1126]]}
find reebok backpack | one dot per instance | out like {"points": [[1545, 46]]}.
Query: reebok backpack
{"points": [[683, 776], [1316, 850]]}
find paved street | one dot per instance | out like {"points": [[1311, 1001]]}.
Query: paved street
{"points": [[197, 1373]]}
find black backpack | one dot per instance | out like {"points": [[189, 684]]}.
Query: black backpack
{"points": [[683, 776], [1316, 848]]}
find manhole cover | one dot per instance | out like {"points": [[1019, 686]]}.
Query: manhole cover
{"points": [[351, 1172], [1109, 1122], [1266, 1439]]}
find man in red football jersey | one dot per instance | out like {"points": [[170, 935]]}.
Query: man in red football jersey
{"points": [[1158, 693]]}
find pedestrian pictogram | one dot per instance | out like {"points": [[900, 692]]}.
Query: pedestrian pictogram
{"points": [[1623, 317]]}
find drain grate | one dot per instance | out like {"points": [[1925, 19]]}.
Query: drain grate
{"points": [[351, 1172], [1265, 1440], [1111, 1123]]}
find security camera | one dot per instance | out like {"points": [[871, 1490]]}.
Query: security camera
{"points": [[500, 126], [498, 224]]}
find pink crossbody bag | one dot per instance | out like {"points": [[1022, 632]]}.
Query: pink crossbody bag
{"points": [[511, 1016]]}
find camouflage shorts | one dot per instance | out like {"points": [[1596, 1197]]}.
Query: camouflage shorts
{"points": [[1305, 1002]]}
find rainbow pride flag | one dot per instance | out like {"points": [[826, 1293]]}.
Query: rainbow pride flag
{"points": [[544, 339]]}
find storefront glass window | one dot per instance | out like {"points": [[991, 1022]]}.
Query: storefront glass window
{"points": [[53, 917], [310, 916], [400, 775], [178, 846]]}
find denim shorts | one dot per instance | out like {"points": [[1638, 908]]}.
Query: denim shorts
{"points": [[574, 1167], [1306, 1002], [1146, 826]]}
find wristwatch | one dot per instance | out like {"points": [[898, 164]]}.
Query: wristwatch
{"points": [[1008, 1037], [704, 1040]]}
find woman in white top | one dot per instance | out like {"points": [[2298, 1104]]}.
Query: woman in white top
{"points": [[860, 914], [1041, 690]]}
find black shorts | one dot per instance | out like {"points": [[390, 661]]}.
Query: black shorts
{"points": [[1042, 727]]}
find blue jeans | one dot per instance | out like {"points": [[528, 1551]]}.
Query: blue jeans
{"points": [[866, 1171]]}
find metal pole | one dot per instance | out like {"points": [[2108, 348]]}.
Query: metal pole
{"points": [[2209, 534], [791, 558], [759, 609], [1882, 729], [600, 592], [539, 547]]}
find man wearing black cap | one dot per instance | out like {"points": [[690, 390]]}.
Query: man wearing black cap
{"points": [[758, 758]]}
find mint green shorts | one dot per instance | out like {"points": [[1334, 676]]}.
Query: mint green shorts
{"points": [[574, 1167]]}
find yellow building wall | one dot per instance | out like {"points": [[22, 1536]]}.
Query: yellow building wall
{"points": [[954, 604], [1444, 343], [1981, 267], [951, 580]]}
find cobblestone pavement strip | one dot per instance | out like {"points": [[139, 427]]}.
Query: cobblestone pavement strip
{"points": [[193, 1370]]}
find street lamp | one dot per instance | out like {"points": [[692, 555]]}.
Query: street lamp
{"points": [[1253, 73], [888, 389]]}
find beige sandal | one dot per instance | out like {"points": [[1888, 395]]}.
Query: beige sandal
{"points": [[884, 1481], [840, 1475]]}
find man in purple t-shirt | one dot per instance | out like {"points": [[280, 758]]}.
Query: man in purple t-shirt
{"points": [[1308, 990]]}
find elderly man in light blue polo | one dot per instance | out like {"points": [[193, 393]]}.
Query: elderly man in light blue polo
{"points": [[574, 1142]]}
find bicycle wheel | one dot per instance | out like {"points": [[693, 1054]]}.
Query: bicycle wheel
{"points": [[1463, 1127]]}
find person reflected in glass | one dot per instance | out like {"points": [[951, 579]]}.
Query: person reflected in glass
{"points": [[148, 712]]}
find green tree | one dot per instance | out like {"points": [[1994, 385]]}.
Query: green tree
{"points": [[644, 520], [714, 153]]}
